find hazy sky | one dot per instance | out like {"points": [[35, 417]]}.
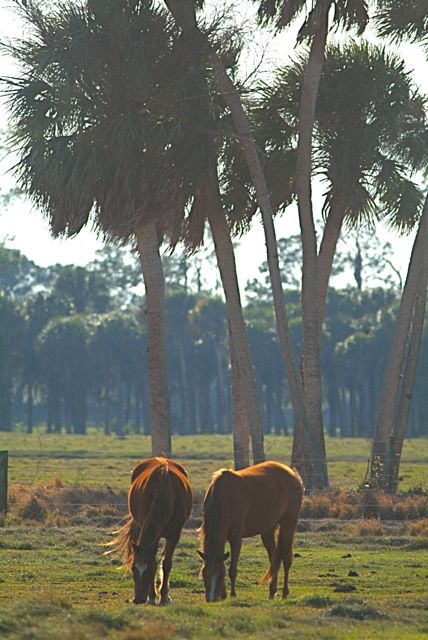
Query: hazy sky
{"points": [[23, 227]]}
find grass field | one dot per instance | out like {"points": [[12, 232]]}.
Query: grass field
{"points": [[350, 579], [97, 459]]}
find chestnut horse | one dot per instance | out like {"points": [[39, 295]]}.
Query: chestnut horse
{"points": [[241, 504], [160, 501]]}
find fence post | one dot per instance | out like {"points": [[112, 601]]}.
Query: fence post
{"points": [[3, 481]]}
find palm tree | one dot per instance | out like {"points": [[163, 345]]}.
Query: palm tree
{"points": [[184, 12], [402, 20], [369, 130], [314, 30], [207, 125], [400, 368], [95, 127], [370, 125]]}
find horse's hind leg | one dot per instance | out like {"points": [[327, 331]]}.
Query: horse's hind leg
{"points": [[168, 551], [286, 532], [268, 540]]}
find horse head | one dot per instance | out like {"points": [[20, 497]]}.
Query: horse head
{"points": [[143, 571], [213, 574]]}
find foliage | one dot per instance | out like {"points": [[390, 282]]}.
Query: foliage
{"points": [[74, 351]]}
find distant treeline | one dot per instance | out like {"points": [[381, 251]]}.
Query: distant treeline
{"points": [[73, 351]]}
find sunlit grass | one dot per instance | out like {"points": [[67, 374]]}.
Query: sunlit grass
{"points": [[56, 583], [99, 459]]}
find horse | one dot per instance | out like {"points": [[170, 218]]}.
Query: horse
{"points": [[160, 500], [262, 499]]}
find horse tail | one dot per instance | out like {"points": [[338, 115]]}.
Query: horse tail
{"points": [[160, 511], [275, 562], [122, 542], [161, 507]]}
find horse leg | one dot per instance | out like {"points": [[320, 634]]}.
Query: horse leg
{"points": [[286, 532], [151, 597], [235, 550], [168, 551], [268, 540]]}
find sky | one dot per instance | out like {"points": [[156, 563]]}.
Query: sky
{"points": [[23, 227]]}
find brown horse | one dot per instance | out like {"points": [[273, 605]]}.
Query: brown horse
{"points": [[160, 501], [241, 504]]}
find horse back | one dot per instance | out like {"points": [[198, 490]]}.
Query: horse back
{"points": [[152, 463], [160, 484], [272, 493]]}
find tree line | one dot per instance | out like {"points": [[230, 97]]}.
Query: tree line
{"points": [[74, 350], [133, 114]]}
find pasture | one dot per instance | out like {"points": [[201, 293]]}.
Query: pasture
{"points": [[351, 579]]}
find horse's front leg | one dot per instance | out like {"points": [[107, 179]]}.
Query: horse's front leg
{"points": [[235, 550], [168, 551]]}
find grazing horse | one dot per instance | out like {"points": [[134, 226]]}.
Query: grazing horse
{"points": [[241, 504], [160, 501]]}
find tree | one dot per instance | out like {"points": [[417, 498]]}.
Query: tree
{"points": [[95, 126], [206, 139], [400, 368], [11, 338], [398, 20], [64, 350]]}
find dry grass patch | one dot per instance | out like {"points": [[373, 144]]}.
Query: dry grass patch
{"points": [[57, 504], [346, 504], [419, 528], [370, 527]]}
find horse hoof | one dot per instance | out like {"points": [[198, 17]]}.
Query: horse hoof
{"points": [[151, 601], [164, 603]]}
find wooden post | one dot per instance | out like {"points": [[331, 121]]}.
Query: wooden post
{"points": [[3, 481]]}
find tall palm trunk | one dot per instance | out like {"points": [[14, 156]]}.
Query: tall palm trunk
{"points": [[148, 247], [311, 362], [330, 238], [403, 411], [240, 429], [390, 390], [310, 464], [243, 378]]}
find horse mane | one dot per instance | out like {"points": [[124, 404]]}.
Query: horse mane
{"points": [[160, 511], [209, 528]]}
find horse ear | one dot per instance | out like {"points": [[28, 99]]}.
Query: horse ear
{"points": [[201, 555]]}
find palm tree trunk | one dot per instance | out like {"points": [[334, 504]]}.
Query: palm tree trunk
{"points": [[311, 463], [311, 364], [403, 411], [148, 247], [330, 237], [388, 397], [244, 381], [240, 429]]}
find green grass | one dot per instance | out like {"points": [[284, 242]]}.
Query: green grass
{"points": [[99, 459], [56, 583]]}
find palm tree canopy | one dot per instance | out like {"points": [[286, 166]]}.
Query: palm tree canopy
{"points": [[371, 129], [401, 19], [348, 14], [99, 114]]}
